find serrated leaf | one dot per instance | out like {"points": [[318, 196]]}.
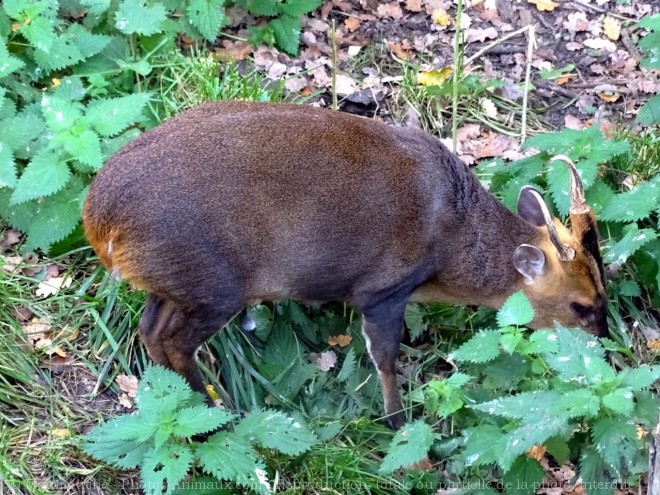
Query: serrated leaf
{"points": [[40, 33], [531, 406], [88, 43], [640, 378], [593, 472], [598, 196], [8, 63], [274, 430], [62, 53], [47, 221], [630, 288], [523, 438], [262, 318], [576, 403], [541, 342], [620, 400], [623, 249], [70, 88], [162, 390], [208, 16], [7, 167], [17, 132], [287, 33], [633, 205], [111, 116], [649, 114], [231, 457], [524, 476], [267, 8], [296, 8], [117, 441], [414, 318], [457, 380], [165, 466], [96, 7], [348, 367], [558, 448], [481, 348], [615, 440], [135, 17], [481, 445], [196, 420], [84, 147], [44, 175], [409, 446], [516, 310], [579, 357], [59, 114]]}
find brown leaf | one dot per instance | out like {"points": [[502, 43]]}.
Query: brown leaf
{"points": [[423, 465], [125, 401], [392, 9], [11, 263], [9, 238], [399, 51], [572, 122], [128, 384], [325, 360], [295, 84], [352, 23], [60, 433], [481, 34], [576, 22], [340, 340], [37, 329], [468, 131], [234, 50], [52, 286], [536, 452], [414, 5]]}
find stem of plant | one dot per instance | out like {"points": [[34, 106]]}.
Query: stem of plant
{"points": [[458, 68], [531, 43], [334, 67]]}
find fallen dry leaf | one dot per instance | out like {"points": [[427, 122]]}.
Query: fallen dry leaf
{"points": [[125, 401], [52, 286], [423, 465], [234, 50], [210, 389], [434, 77], [128, 384], [653, 344], [352, 23], [414, 5], [572, 122], [60, 433], [607, 92], [489, 108], [9, 238], [612, 28], [11, 263], [576, 22], [640, 432], [481, 35], [536, 452], [392, 9], [544, 5], [324, 361], [340, 340], [295, 84], [600, 44], [36, 329], [468, 131], [345, 85], [400, 50]]}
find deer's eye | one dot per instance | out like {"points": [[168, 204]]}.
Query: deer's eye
{"points": [[581, 310]]}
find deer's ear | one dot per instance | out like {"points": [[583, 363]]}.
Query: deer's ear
{"points": [[531, 207], [529, 262]]}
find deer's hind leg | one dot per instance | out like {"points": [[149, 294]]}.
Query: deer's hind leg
{"points": [[172, 335]]}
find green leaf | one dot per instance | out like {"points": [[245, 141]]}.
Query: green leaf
{"points": [[524, 477], [616, 442], [633, 239], [649, 114], [162, 390], [47, 221], [523, 438], [88, 43], [8, 63], [414, 318], [200, 419], [481, 348], [230, 457], [593, 472], [517, 310], [409, 446], [274, 430], [135, 17], [620, 400], [40, 33], [633, 205], [630, 288], [84, 147], [167, 465], [576, 403], [296, 8], [262, 317], [112, 115], [541, 342], [59, 114], [640, 378], [44, 175], [598, 196], [63, 52], [7, 167], [481, 445], [19, 131], [559, 181], [558, 448], [287, 33], [348, 367], [208, 16], [96, 7], [531, 406], [104, 444], [268, 8]]}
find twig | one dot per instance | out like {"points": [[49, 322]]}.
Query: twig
{"points": [[334, 67], [531, 44], [498, 41], [580, 5], [566, 93], [458, 68]]}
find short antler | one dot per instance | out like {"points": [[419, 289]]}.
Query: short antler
{"points": [[578, 204], [565, 253]]}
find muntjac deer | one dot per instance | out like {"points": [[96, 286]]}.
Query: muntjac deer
{"points": [[233, 203]]}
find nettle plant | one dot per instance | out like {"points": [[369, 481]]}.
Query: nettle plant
{"points": [[159, 438], [649, 114], [520, 397]]}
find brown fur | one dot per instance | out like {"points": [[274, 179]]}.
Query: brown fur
{"points": [[232, 203]]}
